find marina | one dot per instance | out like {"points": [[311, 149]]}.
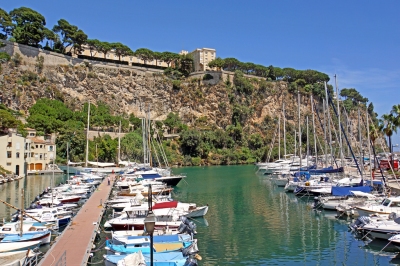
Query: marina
{"points": [[246, 211]]}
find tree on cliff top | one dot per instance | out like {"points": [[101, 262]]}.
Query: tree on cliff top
{"points": [[169, 57], [6, 24], [94, 46], [144, 54], [121, 50], [30, 26], [104, 47], [70, 35]]}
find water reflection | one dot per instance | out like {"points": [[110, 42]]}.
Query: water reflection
{"points": [[253, 222], [33, 186]]}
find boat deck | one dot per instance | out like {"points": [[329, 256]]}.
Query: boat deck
{"points": [[75, 243]]}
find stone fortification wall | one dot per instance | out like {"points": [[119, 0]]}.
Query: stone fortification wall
{"points": [[93, 133], [30, 54]]}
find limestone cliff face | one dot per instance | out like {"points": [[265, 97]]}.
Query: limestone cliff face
{"points": [[207, 103]]}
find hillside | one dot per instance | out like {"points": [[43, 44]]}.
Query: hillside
{"points": [[243, 106]]}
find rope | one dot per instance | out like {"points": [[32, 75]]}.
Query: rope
{"points": [[100, 247], [96, 262]]}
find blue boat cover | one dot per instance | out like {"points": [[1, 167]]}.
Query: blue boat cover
{"points": [[160, 259], [345, 191], [27, 236], [166, 238], [127, 249]]}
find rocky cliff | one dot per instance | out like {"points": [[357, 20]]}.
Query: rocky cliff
{"points": [[211, 102]]}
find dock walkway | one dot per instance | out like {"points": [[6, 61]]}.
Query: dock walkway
{"points": [[73, 246]]}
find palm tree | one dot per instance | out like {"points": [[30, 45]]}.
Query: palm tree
{"points": [[396, 115], [388, 126]]}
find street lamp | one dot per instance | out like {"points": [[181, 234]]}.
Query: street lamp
{"points": [[150, 222]]}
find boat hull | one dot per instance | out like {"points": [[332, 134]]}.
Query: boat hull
{"points": [[199, 212]]}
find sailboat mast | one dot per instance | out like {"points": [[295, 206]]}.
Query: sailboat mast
{"points": [[295, 143], [284, 129], [298, 99], [119, 142], [22, 211], [308, 149], [360, 142], [315, 137], [97, 157], [369, 148], [279, 137], [325, 137], [340, 131], [87, 135], [144, 140], [328, 115], [148, 138], [68, 160]]}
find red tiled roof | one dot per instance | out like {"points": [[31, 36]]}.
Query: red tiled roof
{"points": [[36, 140]]}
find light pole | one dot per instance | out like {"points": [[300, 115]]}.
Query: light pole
{"points": [[150, 222]]}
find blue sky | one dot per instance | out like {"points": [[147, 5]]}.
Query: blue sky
{"points": [[357, 40]]}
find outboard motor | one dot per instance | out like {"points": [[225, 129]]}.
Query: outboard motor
{"points": [[359, 223], [392, 216], [184, 220], [190, 262], [182, 228]]}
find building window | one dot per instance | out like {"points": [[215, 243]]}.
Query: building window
{"points": [[17, 155], [37, 146], [9, 144], [9, 154], [41, 146], [41, 156], [17, 146], [26, 146], [130, 59], [50, 148], [32, 134], [108, 56]]}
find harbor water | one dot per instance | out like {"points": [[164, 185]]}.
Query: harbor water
{"points": [[250, 221]]}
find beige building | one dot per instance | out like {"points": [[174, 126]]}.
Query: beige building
{"points": [[201, 58], [42, 150], [130, 59], [15, 150], [34, 151]]}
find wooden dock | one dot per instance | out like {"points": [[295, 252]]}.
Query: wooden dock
{"points": [[73, 246]]}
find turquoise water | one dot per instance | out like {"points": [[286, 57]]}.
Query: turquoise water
{"points": [[252, 222]]}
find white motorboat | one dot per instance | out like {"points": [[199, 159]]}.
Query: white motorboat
{"points": [[15, 258], [15, 246], [387, 206]]}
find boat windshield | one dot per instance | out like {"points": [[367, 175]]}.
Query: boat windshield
{"points": [[386, 202]]}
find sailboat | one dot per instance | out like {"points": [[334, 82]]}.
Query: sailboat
{"points": [[99, 167]]}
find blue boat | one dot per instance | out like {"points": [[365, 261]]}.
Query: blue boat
{"points": [[159, 259], [135, 240], [43, 237], [145, 247]]}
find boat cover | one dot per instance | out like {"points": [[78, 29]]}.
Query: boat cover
{"points": [[135, 259], [346, 191], [166, 204], [157, 257]]}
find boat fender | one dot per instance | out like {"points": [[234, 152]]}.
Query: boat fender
{"points": [[307, 184], [32, 228]]}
